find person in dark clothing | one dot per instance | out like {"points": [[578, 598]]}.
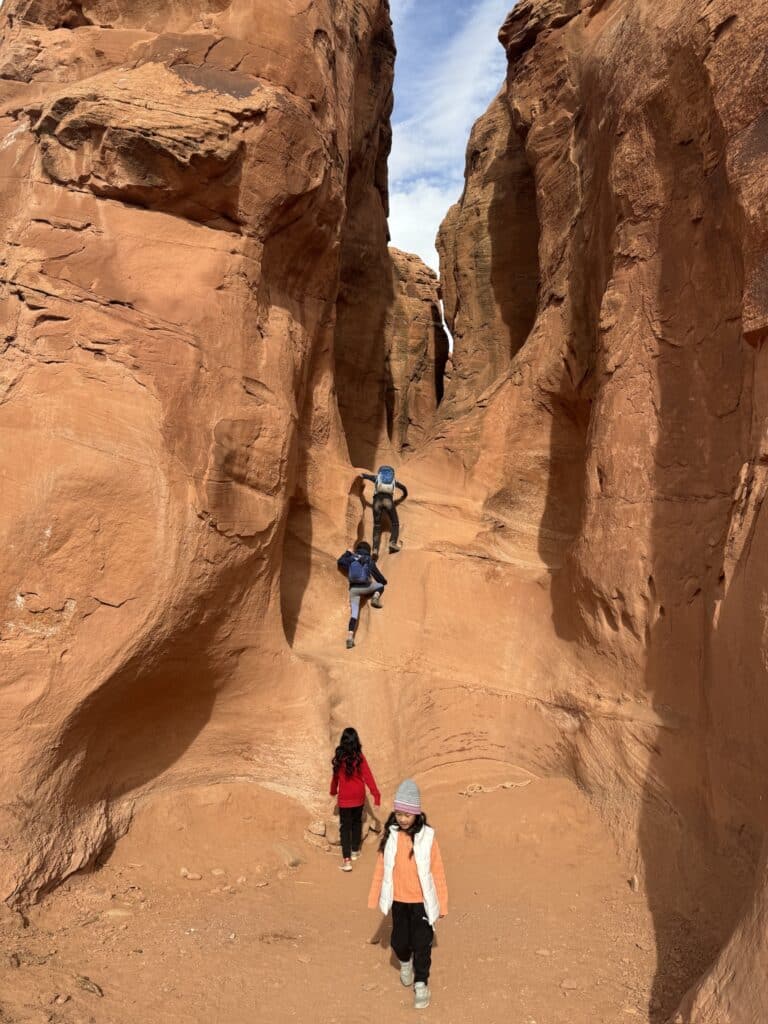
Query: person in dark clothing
{"points": [[384, 485], [365, 580]]}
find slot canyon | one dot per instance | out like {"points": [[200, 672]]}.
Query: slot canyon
{"points": [[206, 338]]}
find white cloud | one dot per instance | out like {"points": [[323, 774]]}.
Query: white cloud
{"points": [[416, 210], [451, 88]]}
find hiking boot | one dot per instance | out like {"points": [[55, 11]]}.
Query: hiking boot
{"points": [[350, 643], [421, 995], [394, 548], [406, 973], [346, 866], [376, 600], [355, 855]]}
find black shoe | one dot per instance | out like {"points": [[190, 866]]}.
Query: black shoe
{"points": [[394, 548]]}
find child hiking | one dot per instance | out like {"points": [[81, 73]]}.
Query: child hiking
{"points": [[410, 881], [384, 485], [351, 775], [365, 580]]}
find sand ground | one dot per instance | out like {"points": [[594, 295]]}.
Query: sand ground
{"points": [[543, 927]]}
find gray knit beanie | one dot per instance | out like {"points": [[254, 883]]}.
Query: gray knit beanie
{"points": [[408, 798]]}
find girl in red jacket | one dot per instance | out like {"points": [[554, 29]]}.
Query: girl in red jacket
{"points": [[351, 775]]}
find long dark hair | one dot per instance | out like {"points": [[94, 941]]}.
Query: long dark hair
{"points": [[417, 826], [349, 753]]}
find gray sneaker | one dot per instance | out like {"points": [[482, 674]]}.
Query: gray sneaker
{"points": [[376, 599], [350, 644], [406, 973], [421, 996]]}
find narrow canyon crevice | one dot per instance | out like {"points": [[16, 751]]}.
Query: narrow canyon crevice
{"points": [[207, 336]]}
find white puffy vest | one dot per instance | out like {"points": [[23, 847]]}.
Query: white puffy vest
{"points": [[422, 852]]}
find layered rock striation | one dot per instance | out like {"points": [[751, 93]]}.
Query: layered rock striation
{"points": [[622, 437], [204, 335], [416, 351], [179, 185]]}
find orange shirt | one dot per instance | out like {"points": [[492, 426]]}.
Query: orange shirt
{"points": [[405, 876]]}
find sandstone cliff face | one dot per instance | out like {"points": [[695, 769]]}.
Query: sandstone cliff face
{"points": [[391, 349], [170, 273], [622, 444], [489, 258], [204, 334], [416, 351]]}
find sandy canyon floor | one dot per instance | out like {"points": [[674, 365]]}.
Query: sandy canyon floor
{"points": [[544, 926]]}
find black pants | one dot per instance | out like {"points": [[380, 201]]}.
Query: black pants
{"points": [[384, 503], [350, 829], [412, 936]]}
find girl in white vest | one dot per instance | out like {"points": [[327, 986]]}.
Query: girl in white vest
{"points": [[410, 881]]}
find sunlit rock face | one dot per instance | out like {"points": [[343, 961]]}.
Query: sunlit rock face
{"points": [[176, 190]]}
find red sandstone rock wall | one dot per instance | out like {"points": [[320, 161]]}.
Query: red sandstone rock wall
{"points": [[489, 258], [416, 350], [623, 442], [176, 184], [195, 299]]}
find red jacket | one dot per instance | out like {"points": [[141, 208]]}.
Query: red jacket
{"points": [[351, 788]]}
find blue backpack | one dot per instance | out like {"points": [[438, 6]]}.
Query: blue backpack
{"points": [[358, 572], [385, 480]]}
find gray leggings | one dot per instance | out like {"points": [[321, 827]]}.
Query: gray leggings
{"points": [[355, 596]]}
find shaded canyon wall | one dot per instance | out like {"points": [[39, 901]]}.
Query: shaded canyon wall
{"points": [[622, 438]]}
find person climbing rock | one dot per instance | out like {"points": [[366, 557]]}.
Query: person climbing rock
{"points": [[410, 881], [365, 580], [384, 486], [351, 775]]}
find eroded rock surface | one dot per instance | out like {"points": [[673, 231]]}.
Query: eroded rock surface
{"points": [[624, 441], [197, 301], [416, 349], [170, 274], [488, 246]]}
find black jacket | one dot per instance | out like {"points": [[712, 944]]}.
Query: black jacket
{"points": [[346, 559]]}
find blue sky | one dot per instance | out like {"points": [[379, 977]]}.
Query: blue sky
{"points": [[449, 67]]}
